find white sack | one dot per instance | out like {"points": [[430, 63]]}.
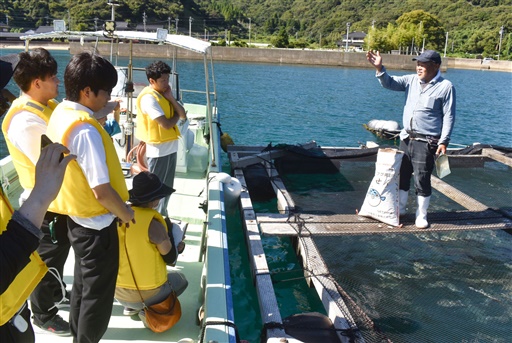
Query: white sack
{"points": [[381, 201]]}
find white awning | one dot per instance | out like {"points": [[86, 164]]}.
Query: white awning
{"points": [[185, 42]]}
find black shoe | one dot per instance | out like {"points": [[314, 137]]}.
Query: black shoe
{"points": [[57, 326]]}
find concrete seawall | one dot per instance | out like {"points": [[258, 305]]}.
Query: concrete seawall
{"points": [[285, 56], [295, 56]]}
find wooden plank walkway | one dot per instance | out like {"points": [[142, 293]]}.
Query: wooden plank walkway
{"points": [[306, 225], [269, 308]]}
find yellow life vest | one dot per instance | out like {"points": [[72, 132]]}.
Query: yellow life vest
{"points": [[148, 265], [24, 166], [76, 197], [148, 130], [27, 279]]}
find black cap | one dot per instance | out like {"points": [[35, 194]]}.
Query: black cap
{"points": [[428, 56], [148, 187]]}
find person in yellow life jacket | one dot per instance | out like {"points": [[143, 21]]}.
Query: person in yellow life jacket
{"points": [[24, 123], [22, 268], [145, 249], [93, 193], [158, 113]]}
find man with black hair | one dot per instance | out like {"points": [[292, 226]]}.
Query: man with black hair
{"points": [[24, 123], [93, 193], [22, 267], [158, 113]]}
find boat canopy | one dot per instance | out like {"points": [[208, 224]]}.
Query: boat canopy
{"points": [[181, 41]]}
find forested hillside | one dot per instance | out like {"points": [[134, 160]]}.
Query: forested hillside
{"points": [[473, 26]]}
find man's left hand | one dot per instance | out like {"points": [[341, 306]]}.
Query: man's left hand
{"points": [[441, 149]]}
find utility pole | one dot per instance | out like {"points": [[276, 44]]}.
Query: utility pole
{"points": [[169, 24], [249, 31], [177, 20], [445, 44], [190, 26], [113, 19], [346, 42], [144, 20], [113, 4], [96, 24], [422, 35], [501, 36]]}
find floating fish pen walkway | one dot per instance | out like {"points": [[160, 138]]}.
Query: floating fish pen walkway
{"points": [[313, 231]]}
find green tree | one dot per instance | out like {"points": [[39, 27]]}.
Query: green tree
{"points": [[422, 25], [281, 40]]}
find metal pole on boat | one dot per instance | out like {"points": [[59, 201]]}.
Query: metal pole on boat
{"points": [[209, 111], [128, 125]]}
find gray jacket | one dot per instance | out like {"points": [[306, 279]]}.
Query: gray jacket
{"points": [[429, 111]]}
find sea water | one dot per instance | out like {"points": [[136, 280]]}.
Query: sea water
{"points": [[263, 104]]}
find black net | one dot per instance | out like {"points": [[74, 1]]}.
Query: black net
{"points": [[422, 287]]}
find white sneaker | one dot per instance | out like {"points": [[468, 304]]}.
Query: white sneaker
{"points": [[127, 311]]}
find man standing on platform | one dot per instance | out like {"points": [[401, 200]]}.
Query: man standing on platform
{"points": [[428, 119], [158, 113]]}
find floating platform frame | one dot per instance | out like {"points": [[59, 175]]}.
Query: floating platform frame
{"points": [[478, 216]]}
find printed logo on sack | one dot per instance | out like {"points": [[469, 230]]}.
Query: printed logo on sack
{"points": [[375, 198]]}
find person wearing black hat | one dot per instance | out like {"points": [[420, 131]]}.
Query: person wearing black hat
{"points": [[428, 120], [145, 248], [24, 124]]}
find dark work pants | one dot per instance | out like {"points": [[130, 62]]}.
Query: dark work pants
{"points": [[165, 168], [10, 334], [418, 159], [96, 267], [54, 255]]}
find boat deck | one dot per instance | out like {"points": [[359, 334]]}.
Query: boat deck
{"points": [[190, 193]]}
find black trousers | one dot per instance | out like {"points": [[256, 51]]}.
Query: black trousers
{"points": [[10, 334], [96, 267], [419, 157], [54, 250]]}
